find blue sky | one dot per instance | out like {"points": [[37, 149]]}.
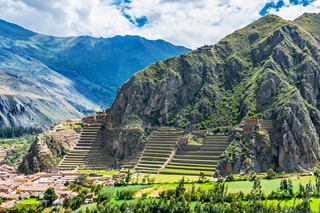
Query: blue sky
{"points": [[191, 23], [277, 5]]}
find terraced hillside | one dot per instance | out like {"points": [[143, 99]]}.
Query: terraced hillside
{"points": [[69, 136], [90, 139], [130, 164], [196, 159], [161, 145]]}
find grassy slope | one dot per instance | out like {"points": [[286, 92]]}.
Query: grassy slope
{"points": [[19, 148]]}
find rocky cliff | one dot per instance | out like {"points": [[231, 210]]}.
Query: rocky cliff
{"points": [[49, 148], [269, 69]]}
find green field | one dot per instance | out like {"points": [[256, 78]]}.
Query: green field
{"points": [[99, 171], [162, 178], [267, 185], [115, 189], [18, 149], [28, 205], [30, 201], [315, 203]]}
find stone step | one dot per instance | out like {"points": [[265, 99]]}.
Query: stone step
{"points": [[195, 161], [198, 157], [197, 153], [211, 165], [149, 162], [184, 172], [158, 150], [148, 171], [156, 154], [190, 168]]}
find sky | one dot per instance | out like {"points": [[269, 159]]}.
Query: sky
{"points": [[191, 23]]}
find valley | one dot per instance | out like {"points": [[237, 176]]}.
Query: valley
{"points": [[229, 127]]}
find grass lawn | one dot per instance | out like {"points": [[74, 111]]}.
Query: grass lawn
{"points": [[162, 178], [314, 204], [30, 201], [115, 189], [99, 171], [83, 208], [27, 204], [267, 185], [119, 202], [187, 171]]}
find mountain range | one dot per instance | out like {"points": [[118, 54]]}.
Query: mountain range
{"points": [[46, 79]]}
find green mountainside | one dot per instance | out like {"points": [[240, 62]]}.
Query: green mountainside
{"points": [[50, 79], [269, 69]]}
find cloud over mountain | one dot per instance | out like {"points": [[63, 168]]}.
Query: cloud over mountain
{"points": [[189, 23]]}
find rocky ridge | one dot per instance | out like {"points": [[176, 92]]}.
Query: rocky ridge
{"points": [[268, 69]]}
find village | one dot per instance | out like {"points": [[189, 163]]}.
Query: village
{"points": [[16, 187]]}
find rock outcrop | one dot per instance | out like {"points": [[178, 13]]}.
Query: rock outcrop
{"points": [[49, 148]]}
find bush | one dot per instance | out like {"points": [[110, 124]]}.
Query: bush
{"points": [[316, 171], [230, 178], [271, 174], [126, 194]]}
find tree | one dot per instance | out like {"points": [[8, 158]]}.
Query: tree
{"points": [[67, 183], [50, 195], [80, 180], [128, 177], [67, 203], [77, 201], [180, 190], [256, 192], [270, 173]]}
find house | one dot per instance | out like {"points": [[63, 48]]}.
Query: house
{"points": [[119, 176], [54, 170], [89, 198], [250, 125], [248, 128], [8, 204], [5, 189], [7, 168], [66, 194], [12, 196]]}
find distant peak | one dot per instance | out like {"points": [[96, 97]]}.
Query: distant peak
{"points": [[11, 30]]}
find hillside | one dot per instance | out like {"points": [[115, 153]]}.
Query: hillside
{"points": [[268, 70], [49, 79]]}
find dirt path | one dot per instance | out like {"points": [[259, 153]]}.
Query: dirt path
{"points": [[157, 192], [143, 191]]}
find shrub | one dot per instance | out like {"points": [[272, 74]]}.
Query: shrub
{"points": [[270, 174], [316, 171], [126, 194], [230, 177]]}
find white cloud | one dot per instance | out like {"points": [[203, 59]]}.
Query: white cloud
{"points": [[291, 12], [185, 22]]}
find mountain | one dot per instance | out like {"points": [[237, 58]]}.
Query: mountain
{"points": [[47, 79], [269, 70]]}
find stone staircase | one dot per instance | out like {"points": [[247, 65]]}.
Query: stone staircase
{"points": [[130, 164], [196, 159], [78, 157], [158, 149], [269, 126], [66, 136]]}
